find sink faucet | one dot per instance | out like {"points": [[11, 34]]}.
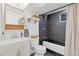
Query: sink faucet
{"points": [[21, 35]]}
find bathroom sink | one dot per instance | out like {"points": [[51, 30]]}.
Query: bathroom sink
{"points": [[10, 41]]}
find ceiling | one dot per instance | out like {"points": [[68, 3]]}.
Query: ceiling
{"points": [[44, 7], [39, 8], [23, 5], [19, 5], [39, 4]]}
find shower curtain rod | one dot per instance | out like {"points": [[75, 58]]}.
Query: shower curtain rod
{"points": [[50, 12]]}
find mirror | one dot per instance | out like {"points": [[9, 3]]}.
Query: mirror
{"points": [[14, 18]]}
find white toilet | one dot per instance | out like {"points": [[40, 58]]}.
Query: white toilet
{"points": [[40, 50]]}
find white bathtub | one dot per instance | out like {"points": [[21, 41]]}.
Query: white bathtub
{"points": [[54, 47]]}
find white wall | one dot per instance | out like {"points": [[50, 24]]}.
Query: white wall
{"points": [[32, 27]]}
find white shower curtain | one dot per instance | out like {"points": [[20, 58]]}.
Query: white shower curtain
{"points": [[77, 35], [72, 31]]}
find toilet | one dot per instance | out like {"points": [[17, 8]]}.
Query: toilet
{"points": [[40, 50]]}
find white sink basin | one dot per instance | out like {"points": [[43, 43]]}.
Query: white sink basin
{"points": [[10, 41]]}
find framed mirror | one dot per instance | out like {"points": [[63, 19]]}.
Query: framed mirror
{"points": [[14, 18]]}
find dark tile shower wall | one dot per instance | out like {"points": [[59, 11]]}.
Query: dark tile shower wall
{"points": [[56, 29], [51, 29]]}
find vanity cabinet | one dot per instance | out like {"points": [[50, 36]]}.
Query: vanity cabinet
{"points": [[22, 51], [10, 53], [16, 52], [15, 47]]}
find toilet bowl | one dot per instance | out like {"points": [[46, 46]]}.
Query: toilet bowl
{"points": [[40, 50]]}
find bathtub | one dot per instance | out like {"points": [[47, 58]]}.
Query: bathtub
{"points": [[54, 47]]}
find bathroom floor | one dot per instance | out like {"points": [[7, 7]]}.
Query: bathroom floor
{"points": [[50, 53]]}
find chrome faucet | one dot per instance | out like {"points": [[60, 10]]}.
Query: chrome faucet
{"points": [[21, 35]]}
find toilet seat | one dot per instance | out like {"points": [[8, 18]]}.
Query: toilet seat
{"points": [[40, 50]]}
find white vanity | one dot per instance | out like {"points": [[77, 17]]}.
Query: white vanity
{"points": [[15, 47]]}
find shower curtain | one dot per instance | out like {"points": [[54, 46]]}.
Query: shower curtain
{"points": [[72, 31]]}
